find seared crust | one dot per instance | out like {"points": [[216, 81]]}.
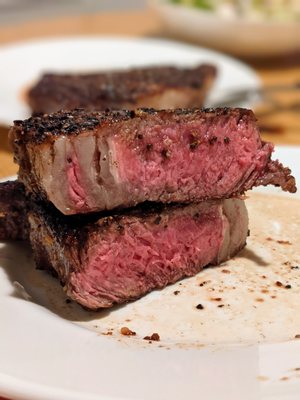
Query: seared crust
{"points": [[44, 128], [13, 211], [113, 89], [12, 195], [279, 176], [75, 229]]}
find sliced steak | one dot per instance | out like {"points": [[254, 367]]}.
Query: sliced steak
{"points": [[117, 258], [157, 87], [85, 162], [13, 211]]}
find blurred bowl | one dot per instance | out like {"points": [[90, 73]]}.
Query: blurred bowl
{"points": [[235, 35]]}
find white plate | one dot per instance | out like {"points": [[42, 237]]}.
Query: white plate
{"points": [[46, 354], [21, 64]]}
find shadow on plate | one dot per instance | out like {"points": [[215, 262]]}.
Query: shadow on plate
{"points": [[252, 256], [40, 287]]}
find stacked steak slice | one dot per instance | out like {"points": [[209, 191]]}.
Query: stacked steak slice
{"points": [[104, 260], [154, 194], [93, 161], [108, 258]]}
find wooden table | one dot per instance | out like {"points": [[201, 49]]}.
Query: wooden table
{"points": [[281, 128]]}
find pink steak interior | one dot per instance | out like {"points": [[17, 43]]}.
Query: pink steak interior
{"points": [[194, 157], [149, 255]]}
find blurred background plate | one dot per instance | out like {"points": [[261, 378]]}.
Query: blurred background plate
{"points": [[22, 63], [239, 35]]}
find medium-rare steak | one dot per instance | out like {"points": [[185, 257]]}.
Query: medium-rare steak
{"points": [[13, 211], [157, 87], [89, 161], [102, 261]]}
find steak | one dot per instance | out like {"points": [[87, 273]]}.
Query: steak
{"points": [[91, 161], [157, 87], [103, 260], [13, 211]]}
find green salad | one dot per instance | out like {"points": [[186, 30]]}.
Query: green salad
{"points": [[254, 9]]}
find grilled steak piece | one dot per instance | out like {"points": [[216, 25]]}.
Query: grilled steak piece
{"points": [[102, 261], [157, 87], [13, 211], [89, 161]]}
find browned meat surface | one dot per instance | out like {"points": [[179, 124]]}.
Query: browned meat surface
{"points": [[91, 161], [13, 211], [103, 260], [157, 87]]}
